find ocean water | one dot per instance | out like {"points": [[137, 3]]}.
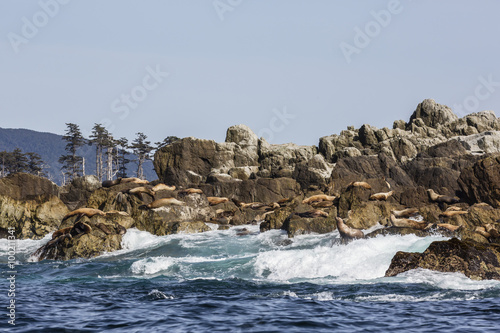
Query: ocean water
{"points": [[221, 282]]}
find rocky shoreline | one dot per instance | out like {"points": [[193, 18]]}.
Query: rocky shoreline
{"points": [[438, 167]]}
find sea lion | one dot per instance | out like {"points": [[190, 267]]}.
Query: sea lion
{"points": [[191, 191], [449, 213], [162, 202], [491, 230], [252, 205], [482, 232], [319, 197], [408, 212], [216, 200], [359, 184], [439, 198], [61, 232], [109, 183], [284, 201], [453, 208], [381, 195], [139, 190], [347, 232], [407, 223], [313, 213], [322, 204], [89, 212], [448, 226], [80, 228], [273, 206], [104, 228], [133, 180], [162, 187], [117, 212]]}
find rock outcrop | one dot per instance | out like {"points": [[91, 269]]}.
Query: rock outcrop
{"points": [[476, 260]]}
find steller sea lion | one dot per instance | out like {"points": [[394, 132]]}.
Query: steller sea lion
{"points": [[216, 200], [162, 187], [117, 212], [162, 202], [191, 191], [313, 213], [407, 223], [89, 212], [139, 190], [408, 212], [448, 226], [322, 204], [133, 180], [61, 232], [359, 184], [347, 232], [319, 197], [449, 213], [109, 183], [439, 198], [80, 228], [253, 205], [381, 196]]}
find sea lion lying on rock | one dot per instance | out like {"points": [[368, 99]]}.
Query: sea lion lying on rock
{"points": [[381, 196], [89, 212], [407, 223], [319, 197], [162, 202], [216, 200], [312, 214], [439, 198], [408, 212]]}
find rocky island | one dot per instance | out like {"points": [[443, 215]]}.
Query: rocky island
{"points": [[436, 173]]}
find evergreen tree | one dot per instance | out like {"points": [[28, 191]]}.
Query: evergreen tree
{"points": [[122, 144], [35, 164], [18, 162], [98, 138], [110, 145], [142, 149], [72, 164]]}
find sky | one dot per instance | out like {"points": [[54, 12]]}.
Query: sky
{"points": [[291, 70]]}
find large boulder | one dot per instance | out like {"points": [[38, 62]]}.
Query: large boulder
{"points": [[476, 260], [32, 218], [103, 235], [481, 182], [22, 186], [76, 193], [433, 114]]}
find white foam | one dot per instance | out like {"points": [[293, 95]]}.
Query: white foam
{"points": [[23, 246], [452, 281], [150, 266], [363, 259]]}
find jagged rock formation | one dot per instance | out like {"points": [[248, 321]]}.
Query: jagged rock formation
{"points": [[477, 261], [458, 158], [31, 205]]}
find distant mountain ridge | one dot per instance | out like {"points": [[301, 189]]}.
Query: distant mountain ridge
{"points": [[51, 146]]}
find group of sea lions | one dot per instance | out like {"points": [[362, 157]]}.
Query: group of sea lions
{"points": [[398, 218]]}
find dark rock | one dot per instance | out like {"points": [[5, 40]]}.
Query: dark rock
{"points": [[481, 182], [24, 186], [476, 260]]}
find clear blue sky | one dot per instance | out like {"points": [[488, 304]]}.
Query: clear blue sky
{"points": [[279, 66]]}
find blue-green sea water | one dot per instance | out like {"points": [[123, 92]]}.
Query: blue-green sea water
{"points": [[221, 282]]}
